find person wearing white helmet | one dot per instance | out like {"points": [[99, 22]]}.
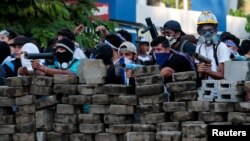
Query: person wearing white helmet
{"points": [[210, 47]]}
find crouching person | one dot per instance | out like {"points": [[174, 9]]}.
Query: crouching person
{"points": [[64, 62]]}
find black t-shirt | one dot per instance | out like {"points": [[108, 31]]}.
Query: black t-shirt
{"points": [[177, 63], [188, 47]]}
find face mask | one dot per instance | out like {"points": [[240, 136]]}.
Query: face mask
{"points": [[161, 58], [64, 58], [209, 38], [171, 40]]}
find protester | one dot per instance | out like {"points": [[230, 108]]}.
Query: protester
{"points": [[231, 41], [6, 35], [210, 47], [245, 46], [172, 30], [168, 59], [4, 50], [64, 62], [143, 49]]}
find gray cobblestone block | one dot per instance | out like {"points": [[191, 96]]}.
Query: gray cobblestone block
{"points": [[100, 99], [26, 109], [18, 81], [148, 80], [25, 127], [153, 118], [174, 106], [193, 138], [148, 109], [247, 86], [16, 91], [99, 109], [94, 71], [212, 117], [220, 123], [118, 119], [99, 89], [91, 128], [147, 70], [65, 119], [42, 81], [151, 99], [125, 100], [238, 117], [40, 90], [5, 120], [79, 99], [41, 136], [149, 89], [25, 100], [89, 119], [184, 76], [46, 101], [121, 109], [242, 107], [198, 129], [221, 107], [118, 89], [143, 128], [3, 91], [6, 102], [65, 109], [65, 89], [168, 136], [6, 111], [86, 89], [65, 128], [186, 96], [7, 129], [168, 126], [181, 86], [6, 138], [44, 120], [25, 118], [182, 116], [65, 99], [106, 137], [24, 137], [80, 137], [140, 136], [53, 136], [120, 128], [65, 79], [198, 106]]}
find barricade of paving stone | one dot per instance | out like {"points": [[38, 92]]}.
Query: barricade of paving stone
{"points": [[183, 86], [221, 91]]}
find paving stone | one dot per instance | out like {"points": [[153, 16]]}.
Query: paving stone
{"points": [[106, 137], [25, 118], [42, 81], [181, 86], [44, 120], [65, 109], [118, 89], [168, 136], [46, 101], [80, 137], [65, 128], [174, 106], [40, 90], [168, 126], [184, 76], [121, 109], [140, 136], [53, 136], [89, 119], [26, 127], [65, 119], [25, 100], [149, 89], [147, 109], [5, 120], [24, 137], [65, 89], [91, 128], [26, 109], [65, 79], [7, 129]]}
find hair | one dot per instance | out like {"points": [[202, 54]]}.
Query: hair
{"points": [[245, 46], [114, 40], [160, 40], [67, 33], [12, 34], [228, 36], [125, 34]]}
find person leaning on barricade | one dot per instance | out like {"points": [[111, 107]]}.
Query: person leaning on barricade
{"points": [[64, 62]]}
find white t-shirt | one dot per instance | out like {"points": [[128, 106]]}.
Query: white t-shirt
{"points": [[223, 54], [79, 54]]}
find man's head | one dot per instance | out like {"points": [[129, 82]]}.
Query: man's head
{"points": [[172, 29], [66, 33], [128, 50], [64, 50], [207, 28], [17, 43], [6, 35], [125, 35], [143, 46], [160, 45], [104, 52]]}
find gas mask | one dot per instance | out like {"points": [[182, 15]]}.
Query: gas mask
{"points": [[208, 37]]}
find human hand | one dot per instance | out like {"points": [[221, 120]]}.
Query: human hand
{"points": [[36, 64], [79, 29], [22, 71], [102, 29], [129, 73]]}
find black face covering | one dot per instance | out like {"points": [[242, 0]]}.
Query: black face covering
{"points": [[64, 57]]}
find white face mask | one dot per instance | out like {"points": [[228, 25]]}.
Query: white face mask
{"points": [[171, 40], [128, 61]]}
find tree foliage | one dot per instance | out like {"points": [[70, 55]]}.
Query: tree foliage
{"points": [[44, 18]]}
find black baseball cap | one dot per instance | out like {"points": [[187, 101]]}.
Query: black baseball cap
{"points": [[173, 25]]}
